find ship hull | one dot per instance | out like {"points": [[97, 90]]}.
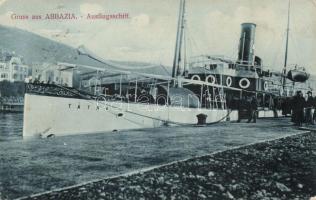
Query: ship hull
{"points": [[48, 115]]}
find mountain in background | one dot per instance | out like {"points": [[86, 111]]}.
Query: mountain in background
{"points": [[35, 48]]}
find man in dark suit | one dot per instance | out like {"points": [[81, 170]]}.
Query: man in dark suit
{"points": [[253, 107], [298, 105], [314, 106], [242, 106], [309, 107]]}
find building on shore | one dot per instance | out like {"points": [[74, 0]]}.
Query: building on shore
{"points": [[11, 104], [12, 68], [52, 73]]}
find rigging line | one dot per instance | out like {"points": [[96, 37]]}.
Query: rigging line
{"points": [[137, 123], [188, 46], [296, 43], [234, 52], [278, 55], [196, 45], [266, 49], [161, 55], [84, 51], [165, 69], [192, 39], [191, 45], [279, 48], [296, 46], [115, 114], [146, 116]]}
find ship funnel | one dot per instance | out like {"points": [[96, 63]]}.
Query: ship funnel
{"points": [[246, 51]]}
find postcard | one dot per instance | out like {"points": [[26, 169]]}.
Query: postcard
{"points": [[145, 99]]}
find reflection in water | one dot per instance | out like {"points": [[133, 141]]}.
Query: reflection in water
{"points": [[11, 126]]}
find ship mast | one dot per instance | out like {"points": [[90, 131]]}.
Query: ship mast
{"points": [[176, 71], [286, 45]]}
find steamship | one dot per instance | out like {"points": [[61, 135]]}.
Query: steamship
{"points": [[121, 98]]}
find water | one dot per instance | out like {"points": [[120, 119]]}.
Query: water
{"points": [[33, 166], [11, 125]]}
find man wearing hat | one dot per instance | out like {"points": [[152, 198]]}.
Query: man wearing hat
{"points": [[298, 104], [309, 107], [314, 115]]}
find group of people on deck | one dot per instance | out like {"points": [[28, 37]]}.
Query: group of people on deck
{"points": [[302, 108]]}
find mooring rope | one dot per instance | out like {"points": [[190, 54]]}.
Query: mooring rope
{"points": [[169, 121]]}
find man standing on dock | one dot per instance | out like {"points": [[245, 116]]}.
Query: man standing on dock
{"points": [[298, 105], [242, 107], [253, 107], [314, 106], [309, 107]]}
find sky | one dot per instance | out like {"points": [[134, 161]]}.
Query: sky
{"points": [[148, 35]]}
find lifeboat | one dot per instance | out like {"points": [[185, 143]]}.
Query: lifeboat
{"points": [[298, 75]]}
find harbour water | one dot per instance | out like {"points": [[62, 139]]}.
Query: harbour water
{"points": [[11, 125], [33, 166]]}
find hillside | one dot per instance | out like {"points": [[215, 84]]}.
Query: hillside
{"points": [[35, 48]]}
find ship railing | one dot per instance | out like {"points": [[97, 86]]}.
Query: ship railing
{"points": [[153, 76], [218, 99], [213, 102], [56, 90]]}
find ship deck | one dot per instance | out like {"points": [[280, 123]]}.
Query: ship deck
{"points": [[35, 166]]}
